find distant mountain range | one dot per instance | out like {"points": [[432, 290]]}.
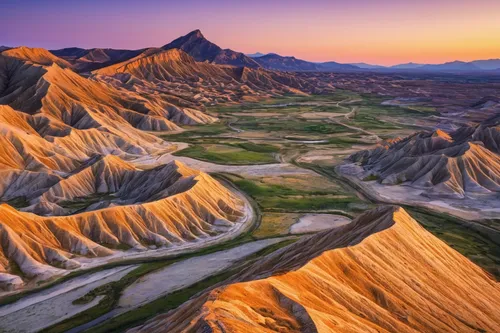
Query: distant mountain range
{"points": [[196, 45], [277, 62], [367, 66], [477, 65], [274, 61], [409, 65]]}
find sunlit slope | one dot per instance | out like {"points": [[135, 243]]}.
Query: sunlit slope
{"points": [[381, 273], [166, 206], [37, 56]]}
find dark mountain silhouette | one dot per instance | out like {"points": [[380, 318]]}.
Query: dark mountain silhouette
{"points": [[201, 49], [452, 66], [277, 62]]}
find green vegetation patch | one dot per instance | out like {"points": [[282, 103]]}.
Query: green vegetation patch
{"points": [[292, 125], [19, 202], [197, 131], [273, 197], [81, 203], [228, 154], [275, 224], [259, 148], [370, 178]]}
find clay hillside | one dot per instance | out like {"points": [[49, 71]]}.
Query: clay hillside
{"points": [[67, 149], [381, 273], [119, 207], [455, 164]]}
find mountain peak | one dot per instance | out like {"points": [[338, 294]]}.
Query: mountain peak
{"points": [[195, 33], [201, 49]]}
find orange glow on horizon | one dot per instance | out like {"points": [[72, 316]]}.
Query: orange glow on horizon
{"points": [[402, 33], [384, 32]]}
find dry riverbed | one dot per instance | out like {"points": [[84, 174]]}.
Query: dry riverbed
{"points": [[48, 307], [318, 222]]}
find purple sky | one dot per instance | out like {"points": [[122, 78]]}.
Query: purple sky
{"points": [[376, 31]]}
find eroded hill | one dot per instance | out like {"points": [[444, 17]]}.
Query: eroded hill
{"points": [[176, 73], [456, 164], [66, 150], [381, 272], [166, 206]]}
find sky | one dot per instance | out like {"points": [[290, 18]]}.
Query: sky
{"points": [[385, 32]]}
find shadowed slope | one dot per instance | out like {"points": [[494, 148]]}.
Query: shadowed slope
{"points": [[381, 273]]}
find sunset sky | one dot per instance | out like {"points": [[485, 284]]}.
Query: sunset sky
{"points": [[374, 31]]}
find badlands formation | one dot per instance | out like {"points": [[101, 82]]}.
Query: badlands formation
{"points": [[456, 172], [455, 164], [381, 273], [88, 181], [67, 147], [177, 75], [66, 140], [165, 206]]}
